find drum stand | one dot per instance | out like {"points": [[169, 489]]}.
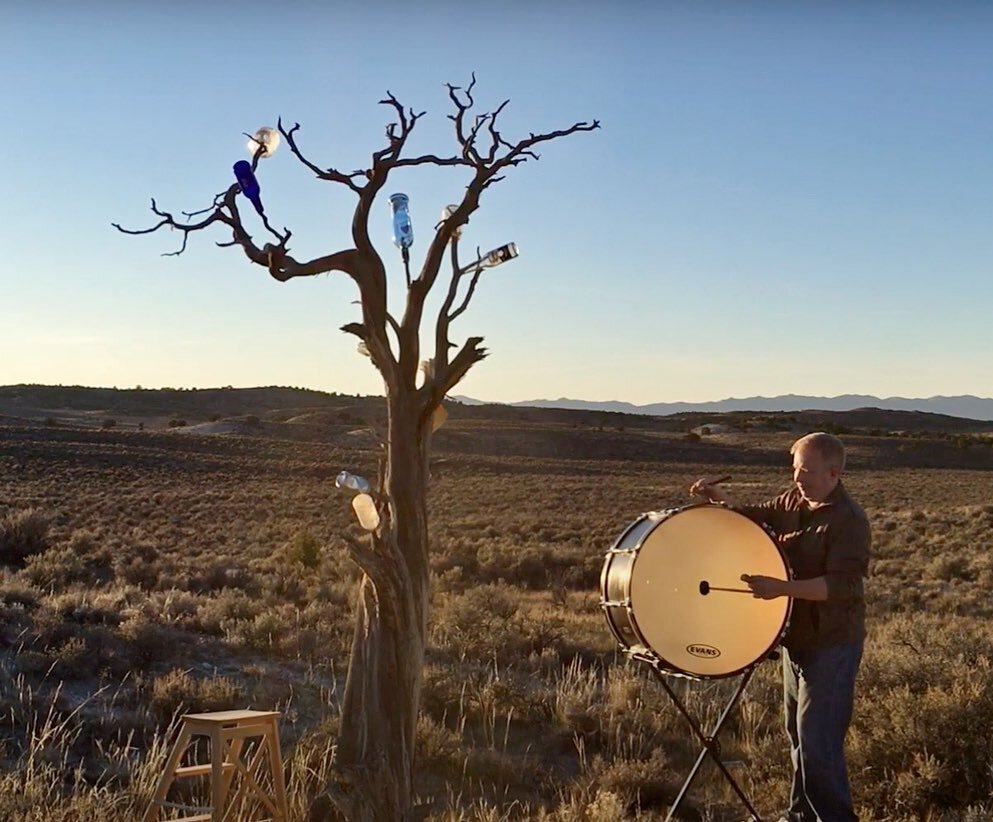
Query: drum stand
{"points": [[711, 745]]}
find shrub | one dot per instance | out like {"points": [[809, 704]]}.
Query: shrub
{"points": [[138, 565], [479, 622], [223, 572], [149, 642], [23, 535], [177, 423], [304, 549], [920, 740], [178, 691], [81, 561], [267, 631]]}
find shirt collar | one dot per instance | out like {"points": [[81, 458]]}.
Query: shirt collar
{"points": [[836, 495]]}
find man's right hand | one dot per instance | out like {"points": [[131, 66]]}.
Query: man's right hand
{"points": [[707, 488]]}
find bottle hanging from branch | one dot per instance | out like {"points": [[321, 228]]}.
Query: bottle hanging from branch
{"points": [[249, 184], [403, 230]]}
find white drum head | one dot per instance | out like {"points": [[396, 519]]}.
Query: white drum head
{"points": [[707, 634]]}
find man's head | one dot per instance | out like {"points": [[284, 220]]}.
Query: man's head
{"points": [[818, 460]]}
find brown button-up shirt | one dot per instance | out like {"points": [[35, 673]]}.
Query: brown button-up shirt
{"points": [[832, 541]]}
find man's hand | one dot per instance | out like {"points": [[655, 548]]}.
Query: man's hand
{"points": [[706, 487], [765, 587]]}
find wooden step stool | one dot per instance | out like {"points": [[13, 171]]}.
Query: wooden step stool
{"points": [[227, 731]]}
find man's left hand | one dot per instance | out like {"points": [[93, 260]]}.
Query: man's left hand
{"points": [[765, 587]]}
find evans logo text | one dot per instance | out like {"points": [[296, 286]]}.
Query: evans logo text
{"points": [[703, 651]]}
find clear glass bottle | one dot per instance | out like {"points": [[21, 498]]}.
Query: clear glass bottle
{"points": [[352, 481], [403, 230]]}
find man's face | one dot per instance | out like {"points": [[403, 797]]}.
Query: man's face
{"points": [[813, 475]]}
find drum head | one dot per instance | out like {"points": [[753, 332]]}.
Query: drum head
{"points": [[707, 634]]}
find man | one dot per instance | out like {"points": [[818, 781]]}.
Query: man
{"points": [[825, 537]]}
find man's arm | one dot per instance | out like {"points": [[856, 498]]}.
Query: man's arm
{"points": [[847, 563], [815, 589]]}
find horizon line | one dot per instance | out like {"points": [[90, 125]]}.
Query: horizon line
{"points": [[456, 397]]}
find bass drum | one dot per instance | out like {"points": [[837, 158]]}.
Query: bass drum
{"points": [[660, 591]]}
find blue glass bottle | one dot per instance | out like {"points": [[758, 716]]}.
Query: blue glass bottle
{"points": [[249, 184]]}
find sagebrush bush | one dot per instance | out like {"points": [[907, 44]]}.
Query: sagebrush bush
{"points": [[22, 535], [138, 564], [304, 550], [80, 562], [178, 692], [478, 622], [924, 721]]}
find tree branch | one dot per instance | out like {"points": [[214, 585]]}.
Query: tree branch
{"points": [[487, 172], [168, 220], [495, 138], [459, 118], [280, 264], [432, 159], [330, 174], [521, 151], [470, 353], [441, 342], [468, 296]]}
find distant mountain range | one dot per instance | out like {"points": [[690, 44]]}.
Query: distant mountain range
{"points": [[966, 406], [47, 400]]}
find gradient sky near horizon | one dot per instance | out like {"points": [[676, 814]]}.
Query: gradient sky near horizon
{"points": [[784, 197]]}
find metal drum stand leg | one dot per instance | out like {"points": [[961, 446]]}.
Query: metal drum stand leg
{"points": [[711, 745]]}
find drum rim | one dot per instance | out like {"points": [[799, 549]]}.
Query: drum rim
{"points": [[670, 667], [604, 578]]}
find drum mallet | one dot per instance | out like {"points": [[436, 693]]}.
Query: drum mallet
{"points": [[706, 588]]}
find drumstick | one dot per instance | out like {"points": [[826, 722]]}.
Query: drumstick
{"points": [[717, 481], [706, 588]]}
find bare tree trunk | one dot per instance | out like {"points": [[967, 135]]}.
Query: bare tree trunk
{"points": [[374, 761]]}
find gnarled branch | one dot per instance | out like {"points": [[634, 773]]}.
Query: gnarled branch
{"points": [[331, 174], [169, 220], [470, 353]]}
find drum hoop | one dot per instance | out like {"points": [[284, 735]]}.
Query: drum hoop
{"points": [[646, 650]]}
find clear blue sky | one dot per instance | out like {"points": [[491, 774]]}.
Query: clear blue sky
{"points": [[784, 197]]}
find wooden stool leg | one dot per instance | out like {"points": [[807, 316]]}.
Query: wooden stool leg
{"points": [[168, 774], [232, 756], [251, 772], [216, 775], [276, 764]]}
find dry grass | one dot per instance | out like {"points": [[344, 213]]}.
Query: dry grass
{"points": [[146, 575]]}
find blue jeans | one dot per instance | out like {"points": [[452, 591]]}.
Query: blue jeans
{"points": [[818, 692]]}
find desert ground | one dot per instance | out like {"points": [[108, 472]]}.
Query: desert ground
{"points": [[151, 569]]}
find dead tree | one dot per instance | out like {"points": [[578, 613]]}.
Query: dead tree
{"points": [[374, 761]]}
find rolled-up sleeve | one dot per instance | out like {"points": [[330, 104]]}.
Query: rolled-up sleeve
{"points": [[847, 560]]}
